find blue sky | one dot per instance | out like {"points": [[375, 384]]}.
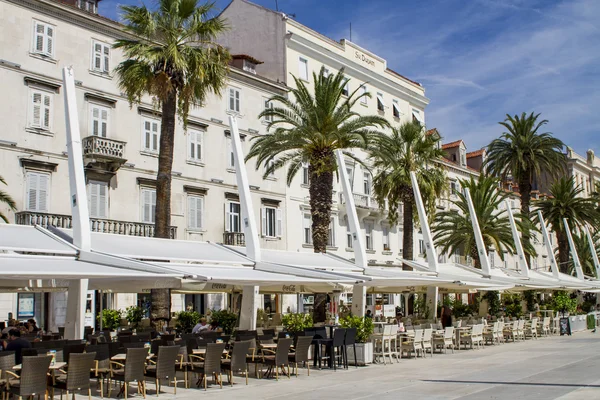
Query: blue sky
{"points": [[478, 59]]}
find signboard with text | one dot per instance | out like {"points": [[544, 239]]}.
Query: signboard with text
{"points": [[25, 305]]}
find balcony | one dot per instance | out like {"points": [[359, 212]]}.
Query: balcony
{"points": [[234, 239], [104, 153], [96, 224], [362, 201]]}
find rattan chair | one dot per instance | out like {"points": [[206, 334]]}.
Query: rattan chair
{"points": [[280, 359], [350, 340], [78, 377], [164, 367], [300, 355], [101, 367], [7, 362], [237, 362], [211, 364], [33, 379], [132, 371]]}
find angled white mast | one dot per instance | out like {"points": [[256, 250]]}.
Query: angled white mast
{"points": [[483, 255], [427, 237], [518, 245], [549, 250], [576, 262], [593, 251]]}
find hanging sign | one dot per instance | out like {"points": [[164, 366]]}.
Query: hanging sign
{"points": [[25, 305]]}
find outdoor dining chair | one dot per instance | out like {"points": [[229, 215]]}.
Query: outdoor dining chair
{"points": [[446, 340], [428, 341], [211, 364], [336, 350], [532, 329], [237, 362], [78, 376], [33, 378], [350, 340], [7, 362], [101, 367], [491, 336], [414, 344], [301, 352], [546, 326], [521, 329], [164, 368], [280, 359], [510, 330], [131, 371]]}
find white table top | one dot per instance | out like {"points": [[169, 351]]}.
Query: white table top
{"points": [[123, 357], [56, 365]]}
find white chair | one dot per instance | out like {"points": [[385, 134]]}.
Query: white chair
{"points": [[546, 326], [531, 330], [384, 343], [413, 345], [491, 336], [510, 330], [428, 341], [472, 338], [445, 341], [521, 329], [500, 333]]}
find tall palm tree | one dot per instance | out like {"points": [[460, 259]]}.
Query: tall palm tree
{"points": [[525, 154], [454, 230], [6, 199], [308, 128], [171, 56], [583, 251], [407, 149], [565, 201]]}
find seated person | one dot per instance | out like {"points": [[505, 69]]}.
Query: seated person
{"points": [[201, 326], [16, 343]]}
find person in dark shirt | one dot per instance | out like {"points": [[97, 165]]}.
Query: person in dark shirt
{"points": [[16, 344]]}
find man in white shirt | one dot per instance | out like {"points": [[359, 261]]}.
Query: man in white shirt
{"points": [[200, 326]]}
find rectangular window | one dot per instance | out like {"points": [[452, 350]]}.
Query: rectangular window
{"points": [[88, 5], [100, 57], [386, 237], [272, 221], [350, 172], [331, 233], [416, 116], [303, 68], [98, 120], [396, 109], [346, 88], [98, 199], [367, 183], [38, 188], [41, 109], [453, 188], [234, 100], [268, 106], [307, 228], [230, 155], [380, 102], [43, 39], [369, 225], [421, 247], [364, 99], [233, 217], [150, 135], [305, 174], [195, 212], [270, 164], [195, 140], [148, 205], [349, 238]]}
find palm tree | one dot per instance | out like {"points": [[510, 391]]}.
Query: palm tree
{"points": [[171, 56], [525, 154], [407, 149], [6, 199], [307, 129], [565, 201], [583, 251], [453, 230]]}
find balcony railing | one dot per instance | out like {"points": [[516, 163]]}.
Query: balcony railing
{"points": [[109, 152], [234, 239], [96, 224], [362, 200]]}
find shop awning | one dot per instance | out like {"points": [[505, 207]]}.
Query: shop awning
{"points": [[31, 240]]}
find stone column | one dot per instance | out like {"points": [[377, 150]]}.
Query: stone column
{"points": [[76, 300], [250, 303], [432, 300], [359, 300]]}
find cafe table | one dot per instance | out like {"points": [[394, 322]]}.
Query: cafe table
{"points": [[57, 365], [458, 331], [123, 357]]}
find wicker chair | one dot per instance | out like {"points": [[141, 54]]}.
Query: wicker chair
{"points": [[132, 371], [7, 361], [101, 368], [211, 364], [350, 340], [78, 377], [33, 379], [72, 348], [164, 367], [301, 354], [237, 362], [280, 359]]}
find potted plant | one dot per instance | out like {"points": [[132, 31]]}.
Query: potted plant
{"points": [[186, 320], [134, 316], [111, 319], [364, 347], [225, 320], [296, 322]]}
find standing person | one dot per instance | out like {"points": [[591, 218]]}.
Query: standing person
{"points": [[446, 316], [16, 344], [369, 314]]}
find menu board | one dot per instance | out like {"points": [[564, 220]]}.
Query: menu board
{"points": [[25, 305]]}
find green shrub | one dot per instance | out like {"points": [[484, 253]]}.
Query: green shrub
{"points": [[459, 309], [493, 299], [364, 327], [224, 319], [186, 320], [530, 298], [111, 319], [512, 305], [296, 322], [591, 321], [563, 303], [134, 316]]}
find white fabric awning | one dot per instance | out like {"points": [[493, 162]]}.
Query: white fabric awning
{"points": [[30, 239]]}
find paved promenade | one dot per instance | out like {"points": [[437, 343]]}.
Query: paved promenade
{"points": [[548, 368]]}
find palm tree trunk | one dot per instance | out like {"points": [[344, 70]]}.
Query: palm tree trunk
{"points": [[475, 256], [161, 298], [407, 234], [563, 251], [525, 192], [321, 190]]}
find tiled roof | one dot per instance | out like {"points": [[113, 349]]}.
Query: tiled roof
{"points": [[246, 57], [476, 153], [432, 131], [451, 145]]}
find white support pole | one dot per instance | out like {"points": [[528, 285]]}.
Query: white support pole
{"points": [[432, 300], [250, 303], [576, 262], [77, 294], [359, 292], [483, 254], [518, 245], [549, 249], [432, 260], [241, 175], [593, 251]]}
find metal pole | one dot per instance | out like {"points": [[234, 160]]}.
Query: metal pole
{"points": [[483, 256], [515, 233]]}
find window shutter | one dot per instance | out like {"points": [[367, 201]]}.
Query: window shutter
{"points": [[279, 226], [37, 109], [32, 184], [192, 147], [95, 127], [237, 100], [154, 136], [93, 189], [47, 115], [97, 56], [102, 200], [199, 212], [227, 216], [43, 192], [49, 39], [263, 218], [192, 212], [106, 51], [104, 122], [39, 37], [231, 100], [146, 135]]}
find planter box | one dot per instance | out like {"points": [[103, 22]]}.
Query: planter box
{"points": [[364, 354]]}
